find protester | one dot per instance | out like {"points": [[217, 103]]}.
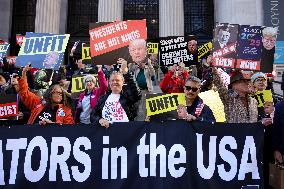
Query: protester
{"points": [[239, 107], [195, 108], [259, 81], [278, 133], [119, 105], [88, 99], [51, 109], [174, 80]]}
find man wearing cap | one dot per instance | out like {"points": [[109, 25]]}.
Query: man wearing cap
{"points": [[239, 107]]}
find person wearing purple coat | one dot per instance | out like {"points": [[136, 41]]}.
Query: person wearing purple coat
{"points": [[88, 99]]}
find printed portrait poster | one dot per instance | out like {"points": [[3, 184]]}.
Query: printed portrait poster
{"points": [[268, 52], [192, 48], [42, 50], [224, 45], [249, 47], [3, 50], [110, 41], [174, 50]]}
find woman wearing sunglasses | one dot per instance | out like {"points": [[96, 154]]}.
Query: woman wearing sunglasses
{"points": [[195, 108]]}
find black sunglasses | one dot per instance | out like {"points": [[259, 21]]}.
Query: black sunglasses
{"points": [[188, 88]]}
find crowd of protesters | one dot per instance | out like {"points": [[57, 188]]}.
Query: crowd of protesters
{"points": [[44, 96]]}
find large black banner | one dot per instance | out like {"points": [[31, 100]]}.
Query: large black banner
{"points": [[172, 154]]}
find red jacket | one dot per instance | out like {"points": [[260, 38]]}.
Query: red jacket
{"points": [[34, 103], [170, 85]]}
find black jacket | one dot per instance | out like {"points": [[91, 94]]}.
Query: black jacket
{"points": [[129, 97], [206, 113], [278, 128]]}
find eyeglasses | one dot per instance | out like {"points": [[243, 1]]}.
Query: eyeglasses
{"points": [[261, 79], [89, 81], [188, 88]]}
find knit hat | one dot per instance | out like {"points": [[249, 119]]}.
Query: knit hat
{"points": [[88, 77], [257, 75]]}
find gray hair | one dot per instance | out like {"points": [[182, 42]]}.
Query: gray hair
{"points": [[117, 73], [193, 79], [137, 42], [270, 31], [86, 77]]}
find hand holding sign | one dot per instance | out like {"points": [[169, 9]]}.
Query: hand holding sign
{"points": [[124, 68], [26, 69]]}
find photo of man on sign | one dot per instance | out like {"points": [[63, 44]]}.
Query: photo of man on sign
{"points": [[50, 60]]}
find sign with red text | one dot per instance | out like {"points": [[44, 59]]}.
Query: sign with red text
{"points": [[19, 39], [109, 41], [11, 60], [8, 106]]}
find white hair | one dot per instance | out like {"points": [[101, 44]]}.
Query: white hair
{"points": [[270, 31], [138, 42], [89, 77]]}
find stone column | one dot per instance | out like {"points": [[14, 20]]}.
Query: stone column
{"points": [[239, 11], [171, 18], [110, 10], [47, 16], [5, 19]]}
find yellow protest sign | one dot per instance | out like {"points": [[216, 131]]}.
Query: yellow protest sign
{"points": [[78, 84], [164, 103], [153, 48], [263, 96], [44, 44], [204, 49], [86, 53], [211, 98]]}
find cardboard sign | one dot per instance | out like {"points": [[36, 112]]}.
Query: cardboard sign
{"points": [[161, 103], [173, 50], [43, 50], [11, 60], [78, 85], [19, 39], [8, 106], [224, 45], [211, 98], [3, 50], [153, 48], [204, 50], [109, 41], [262, 97]]}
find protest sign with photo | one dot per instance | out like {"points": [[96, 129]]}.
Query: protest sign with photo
{"points": [[224, 45], [161, 106], [156, 155], [110, 41], [174, 50], [3, 50], [78, 85], [8, 106], [43, 50]]}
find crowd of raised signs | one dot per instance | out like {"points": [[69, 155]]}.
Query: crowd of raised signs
{"points": [[192, 88]]}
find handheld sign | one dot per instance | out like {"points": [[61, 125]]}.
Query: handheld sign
{"points": [[174, 50], [204, 50], [153, 48], [262, 97], [78, 85], [3, 50], [86, 54], [43, 50], [110, 41], [11, 60], [164, 106], [19, 39], [8, 106]]}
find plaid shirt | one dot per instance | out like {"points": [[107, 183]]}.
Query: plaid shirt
{"points": [[235, 111]]}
